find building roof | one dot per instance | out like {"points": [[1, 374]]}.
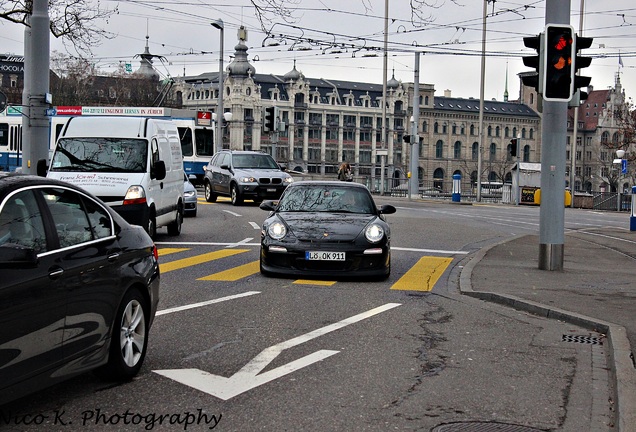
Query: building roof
{"points": [[591, 109], [490, 106]]}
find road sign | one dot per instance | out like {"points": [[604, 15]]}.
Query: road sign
{"points": [[624, 166], [250, 375]]}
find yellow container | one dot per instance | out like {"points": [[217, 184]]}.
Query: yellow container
{"points": [[567, 198]]}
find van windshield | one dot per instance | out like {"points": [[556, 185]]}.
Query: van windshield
{"points": [[100, 154]]}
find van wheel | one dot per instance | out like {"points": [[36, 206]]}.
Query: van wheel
{"points": [[209, 195], [129, 340], [174, 229], [151, 229], [235, 195]]}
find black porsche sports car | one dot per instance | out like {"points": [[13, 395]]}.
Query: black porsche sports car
{"points": [[326, 229]]}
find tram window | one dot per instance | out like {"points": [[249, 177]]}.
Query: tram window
{"points": [[186, 141]]}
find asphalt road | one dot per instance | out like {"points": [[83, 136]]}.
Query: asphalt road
{"points": [[234, 351]]}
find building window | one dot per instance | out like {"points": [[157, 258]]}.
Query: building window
{"points": [[493, 151], [475, 153], [472, 129], [457, 150], [526, 153], [444, 128], [497, 131], [506, 132], [489, 130], [439, 149], [436, 127]]}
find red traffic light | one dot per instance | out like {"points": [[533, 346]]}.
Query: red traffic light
{"points": [[558, 75]]}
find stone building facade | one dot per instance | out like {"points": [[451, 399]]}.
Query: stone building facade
{"points": [[330, 121]]}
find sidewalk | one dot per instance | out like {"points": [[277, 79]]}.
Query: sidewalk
{"points": [[596, 290]]}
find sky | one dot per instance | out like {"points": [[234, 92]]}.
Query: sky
{"points": [[343, 40]]}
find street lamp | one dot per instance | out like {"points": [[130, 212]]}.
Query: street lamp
{"points": [[619, 155], [219, 124]]}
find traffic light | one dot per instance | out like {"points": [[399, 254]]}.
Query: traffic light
{"points": [[513, 147], [579, 63], [407, 139], [269, 122], [533, 79], [558, 79]]}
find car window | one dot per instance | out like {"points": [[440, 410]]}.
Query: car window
{"points": [[326, 199], [69, 217], [220, 160], [100, 221], [21, 222], [254, 161]]}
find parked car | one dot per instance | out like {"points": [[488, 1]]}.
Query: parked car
{"points": [[80, 286], [189, 197], [244, 175], [326, 229]]}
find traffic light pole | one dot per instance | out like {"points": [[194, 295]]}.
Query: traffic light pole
{"points": [[553, 138]]}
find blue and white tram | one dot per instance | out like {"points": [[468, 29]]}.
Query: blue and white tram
{"points": [[10, 142]]}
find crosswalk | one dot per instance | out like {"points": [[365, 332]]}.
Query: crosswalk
{"points": [[421, 276]]}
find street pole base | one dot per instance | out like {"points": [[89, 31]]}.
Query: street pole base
{"points": [[551, 257]]}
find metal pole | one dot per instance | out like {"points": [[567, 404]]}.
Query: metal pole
{"points": [[38, 74], [218, 142], [384, 75], [518, 191], [415, 142], [481, 99], [575, 126], [553, 133]]}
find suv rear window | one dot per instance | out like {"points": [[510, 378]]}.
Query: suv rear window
{"points": [[254, 161]]}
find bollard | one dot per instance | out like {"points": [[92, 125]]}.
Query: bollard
{"points": [[632, 216], [457, 188]]}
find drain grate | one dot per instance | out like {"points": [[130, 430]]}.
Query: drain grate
{"points": [[591, 340], [483, 427]]}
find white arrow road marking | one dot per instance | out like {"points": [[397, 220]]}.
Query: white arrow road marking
{"points": [[232, 213], [255, 225], [248, 377]]}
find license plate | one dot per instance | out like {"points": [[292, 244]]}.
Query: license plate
{"points": [[271, 190], [324, 256]]}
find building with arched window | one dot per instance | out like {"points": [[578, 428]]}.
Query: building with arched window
{"points": [[329, 121]]}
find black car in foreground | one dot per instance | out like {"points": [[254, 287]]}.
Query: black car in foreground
{"points": [[79, 286], [326, 229]]}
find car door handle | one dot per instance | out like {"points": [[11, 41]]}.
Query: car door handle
{"points": [[54, 274], [113, 256]]}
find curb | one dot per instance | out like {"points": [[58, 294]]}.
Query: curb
{"points": [[622, 370]]}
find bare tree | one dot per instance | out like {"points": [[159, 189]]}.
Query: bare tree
{"points": [[268, 10], [74, 21]]}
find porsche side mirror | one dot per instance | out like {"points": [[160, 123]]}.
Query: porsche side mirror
{"points": [[387, 209]]}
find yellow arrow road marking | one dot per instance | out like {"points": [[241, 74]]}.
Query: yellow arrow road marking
{"points": [[423, 275], [198, 259]]}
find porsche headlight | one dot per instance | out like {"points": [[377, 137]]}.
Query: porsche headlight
{"points": [[277, 230], [374, 233]]}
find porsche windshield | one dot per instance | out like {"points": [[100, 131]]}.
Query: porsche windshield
{"points": [[100, 154], [326, 199]]}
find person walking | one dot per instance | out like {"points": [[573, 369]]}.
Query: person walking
{"points": [[344, 172]]}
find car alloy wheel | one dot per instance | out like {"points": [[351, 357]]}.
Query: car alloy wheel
{"points": [[236, 196], [129, 339], [209, 196]]}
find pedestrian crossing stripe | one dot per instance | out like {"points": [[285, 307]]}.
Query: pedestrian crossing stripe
{"points": [[199, 259], [314, 282], [234, 274], [168, 251], [423, 275]]}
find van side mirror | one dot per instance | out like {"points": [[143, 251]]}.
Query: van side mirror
{"points": [[42, 167], [158, 171]]}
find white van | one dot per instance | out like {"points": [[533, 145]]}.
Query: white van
{"points": [[133, 164]]}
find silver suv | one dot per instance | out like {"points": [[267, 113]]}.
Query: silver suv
{"points": [[244, 175]]}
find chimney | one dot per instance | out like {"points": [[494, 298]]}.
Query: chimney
{"points": [[447, 93]]}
